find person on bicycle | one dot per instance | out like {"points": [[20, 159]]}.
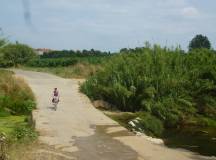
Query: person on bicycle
{"points": [[55, 94]]}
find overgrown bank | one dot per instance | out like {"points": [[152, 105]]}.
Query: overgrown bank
{"points": [[170, 88], [16, 104]]}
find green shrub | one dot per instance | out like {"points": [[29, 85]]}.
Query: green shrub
{"points": [[150, 124], [15, 54], [4, 63], [16, 103], [147, 105], [205, 122], [167, 83], [23, 107], [159, 111], [15, 95], [24, 133], [172, 120]]}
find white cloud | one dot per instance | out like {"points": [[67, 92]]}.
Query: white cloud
{"points": [[190, 12]]}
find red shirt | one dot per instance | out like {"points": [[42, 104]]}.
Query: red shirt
{"points": [[55, 93]]}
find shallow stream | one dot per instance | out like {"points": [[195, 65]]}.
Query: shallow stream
{"points": [[200, 140]]}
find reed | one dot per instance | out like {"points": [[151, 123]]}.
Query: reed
{"points": [[167, 83]]}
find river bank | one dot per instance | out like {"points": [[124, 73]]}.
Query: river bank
{"points": [[197, 139]]}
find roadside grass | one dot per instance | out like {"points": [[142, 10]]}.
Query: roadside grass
{"points": [[8, 123], [16, 104], [22, 151], [20, 136]]}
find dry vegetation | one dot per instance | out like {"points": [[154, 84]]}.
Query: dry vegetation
{"points": [[16, 104]]}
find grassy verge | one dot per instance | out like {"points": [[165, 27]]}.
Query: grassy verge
{"points": [[9, 123], [16, 104]]}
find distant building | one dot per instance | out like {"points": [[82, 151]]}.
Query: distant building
{"points": [[41, 51]]}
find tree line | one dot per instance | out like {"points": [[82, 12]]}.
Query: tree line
{"points": [[73, 53], [14, 54]]}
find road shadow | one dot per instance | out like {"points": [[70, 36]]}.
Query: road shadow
{"points": [[51, 108], [103, 146]]}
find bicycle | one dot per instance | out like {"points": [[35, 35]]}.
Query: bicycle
{"points": [[55, 102]]}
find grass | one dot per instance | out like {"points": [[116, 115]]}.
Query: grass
{"points": [[200, 121], [8, 123], [79, 70], [22, 151], [16, 104], [123, 118], [15, 95]]}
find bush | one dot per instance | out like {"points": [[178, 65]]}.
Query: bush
{"points": [[15, 95], [24, 133], [14, 54], [166, 83], [159, 111], [150, 124], [172, 120], [22, 107], [4, 64], [16, 104], [205, 122]]}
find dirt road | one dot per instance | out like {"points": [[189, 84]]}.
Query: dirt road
{"points": [[78, 131]]}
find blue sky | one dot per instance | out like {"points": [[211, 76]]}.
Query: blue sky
{"points": [[107, 24]]}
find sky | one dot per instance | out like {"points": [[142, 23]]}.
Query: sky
{"points": [[107, 25]]}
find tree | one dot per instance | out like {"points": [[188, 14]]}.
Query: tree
{"points": [[199, 41], [2, 42], [123, 50], [18, 53]]}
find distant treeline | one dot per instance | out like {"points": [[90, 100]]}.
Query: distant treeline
{"points": [[72, 53], [49, 62], [21, 54], [68, 58], [65, 61]]}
